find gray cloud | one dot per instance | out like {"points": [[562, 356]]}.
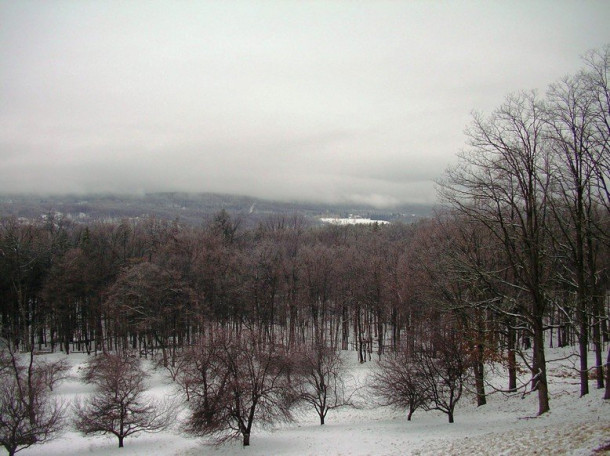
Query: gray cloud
{"points": [[333, 101]]}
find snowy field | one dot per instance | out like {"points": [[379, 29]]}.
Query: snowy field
{"points": [[507, 425], [353, 221]]}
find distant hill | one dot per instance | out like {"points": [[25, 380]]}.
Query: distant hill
{"points": [[191, 208]]}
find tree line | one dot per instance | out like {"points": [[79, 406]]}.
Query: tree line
{"points": [[516, 262]]}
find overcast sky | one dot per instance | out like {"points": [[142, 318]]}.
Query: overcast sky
{"points": [[360, 101]]}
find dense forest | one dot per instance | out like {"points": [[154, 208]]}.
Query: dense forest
{"points": [[517, 262]]}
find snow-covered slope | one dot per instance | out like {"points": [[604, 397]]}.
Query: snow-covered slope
{"points": [[507, 425]]}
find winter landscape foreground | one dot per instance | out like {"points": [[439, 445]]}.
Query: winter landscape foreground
{"points": [[507, 425]]}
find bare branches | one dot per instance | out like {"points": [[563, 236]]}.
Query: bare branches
{"points": [[53, 372], [237, 381], [119, 406], [503, 182], [28, 415], [432, 376], [321, 380], [397, 383]]}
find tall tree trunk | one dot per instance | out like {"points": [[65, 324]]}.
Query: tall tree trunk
{"points": [[345, 328], [512, 359], [539, 368], [380, 332], [358, 324], [480, 383], [597, 342], [607, 392], [395, 329], [583, 344], [479, 367]]}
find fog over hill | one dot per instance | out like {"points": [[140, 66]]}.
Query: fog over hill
{"points": [[363, 102], [191, 208]]}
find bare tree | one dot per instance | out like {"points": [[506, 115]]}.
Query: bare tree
{"points": [[443, 369], [597, 75], [119, 406], [397, 382], [204, 380], [28, 414], [240, 382], [52, 372], [432, 376], [321, 382], [443, 257], [572, 133], [503, 182]]}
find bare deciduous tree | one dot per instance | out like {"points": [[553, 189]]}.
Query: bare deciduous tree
{"points": [[432, 376], [396, 383], [52, 372], [240, 382], [443, 369], [119, 406], [321, 382], [28, 414], [597, 75], [503, 182], [203, 379]]}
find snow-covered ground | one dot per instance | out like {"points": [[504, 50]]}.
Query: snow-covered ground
{"points": [[353, 221], [507, 425]]}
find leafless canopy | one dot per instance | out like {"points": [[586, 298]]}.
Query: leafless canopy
{"points": [[28, 414], [237, 382], [320, 379], [119, 405]]}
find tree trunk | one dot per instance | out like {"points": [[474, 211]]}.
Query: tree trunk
{"points": [[479, 367], [480, 383], [246, 439], [345, 328], [358, 325], [597, 343], [292, 323], [395, 329], [583, 345], [380, 332], [607, 392], [31, 393], [121, 441], [539, 369], [512, 360]]}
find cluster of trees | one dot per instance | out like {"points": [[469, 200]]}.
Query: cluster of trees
{"points": [[431, 375], [518, 262], [30, 415], [230, 382], [156, 286], [534, 182]]}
